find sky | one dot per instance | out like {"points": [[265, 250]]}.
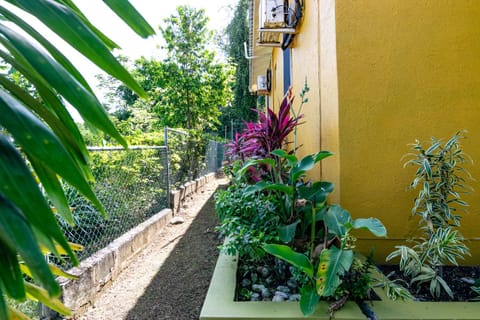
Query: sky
{"points": [[154, 12], [132, 45]]}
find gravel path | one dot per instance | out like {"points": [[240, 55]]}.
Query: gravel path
{"points": [[170, 278]]}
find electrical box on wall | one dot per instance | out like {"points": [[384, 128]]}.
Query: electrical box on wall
{"points": [[276, 19], [272, 13], [262, 83]]}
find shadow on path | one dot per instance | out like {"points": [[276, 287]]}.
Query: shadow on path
{"points": [[179, 288]]}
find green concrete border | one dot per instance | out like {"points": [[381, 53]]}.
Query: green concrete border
{"points": [[397, 310], [219, 304]]}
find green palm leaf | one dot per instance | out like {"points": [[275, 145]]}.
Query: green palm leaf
{"points": [[3, 306], [57, 55], [59, 79], [130, 15], [333, 263], [10, 274], [41, 126], [40, 144], [64, 22], [16, 234]]}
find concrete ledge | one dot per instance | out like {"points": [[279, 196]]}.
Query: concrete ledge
{"points": [[97, 271], [198, 185], [219, 304]]}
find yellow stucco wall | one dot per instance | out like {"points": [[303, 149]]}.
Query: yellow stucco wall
{"points": [[406, 70], [305, 65], [382, 74]]}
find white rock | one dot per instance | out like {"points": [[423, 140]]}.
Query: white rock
{"points": [[177, 220]]}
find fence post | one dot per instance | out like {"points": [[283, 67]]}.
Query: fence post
{"points": [[165, 130]]}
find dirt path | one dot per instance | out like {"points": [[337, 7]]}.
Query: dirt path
{"points": [[170, 278]]}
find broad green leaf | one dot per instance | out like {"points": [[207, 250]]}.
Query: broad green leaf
{"points": [[60, 79], [54, 190], [287, 233], [3, 305], [39, 143], [17, 235], [292, 159], [286, 253], [66, 24], [250, 163], [333, 263], [20, 187], [130, 15], [321, 155], [65, 130], [336, 218], [301, 168], [317, 192], [56, 54], [308, 300], [11, 276], [42, 295], [263, 185], [320, 213], [106, 40], [373, 225]]}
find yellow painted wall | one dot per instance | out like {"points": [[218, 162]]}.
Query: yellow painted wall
{"points": [[382, 74], [305, 66], [406, 69]]}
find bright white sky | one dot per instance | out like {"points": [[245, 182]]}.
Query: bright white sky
{"points": [[154, 12], [133, 46]]}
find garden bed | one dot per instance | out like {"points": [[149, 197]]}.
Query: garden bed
{"points": [[220, 304], [459, 278]]}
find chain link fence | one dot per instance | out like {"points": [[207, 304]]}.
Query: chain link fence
{"points": [[191, 155], [132, 186]]}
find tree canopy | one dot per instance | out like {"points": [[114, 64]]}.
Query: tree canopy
{"points": [[236, 35], [196, 84]]}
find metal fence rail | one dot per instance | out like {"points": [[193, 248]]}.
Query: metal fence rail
{"points": [[191, 155], [131, 184]]}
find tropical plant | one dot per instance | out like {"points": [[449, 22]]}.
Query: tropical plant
{"points": [[259, 139], [314, 237], [441, 180], [330, 265], [249, 221], [39, 129]]}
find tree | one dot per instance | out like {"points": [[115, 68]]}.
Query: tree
{"points": [[39, 140], [236, 36], [196, 85]]}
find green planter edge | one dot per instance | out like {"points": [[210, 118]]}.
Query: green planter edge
{"points": [[219, 304]]}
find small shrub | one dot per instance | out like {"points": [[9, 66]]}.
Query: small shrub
{"points": [[249, 220], [441, 180]]}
